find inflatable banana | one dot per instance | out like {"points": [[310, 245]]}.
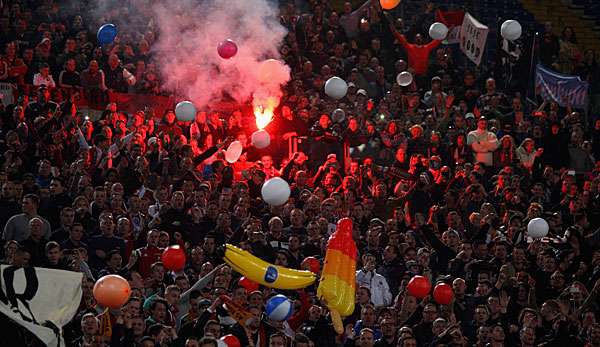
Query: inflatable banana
{"points": [[267, 274], [337, 285]]}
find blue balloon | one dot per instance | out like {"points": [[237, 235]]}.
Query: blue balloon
{"points": [[279, 308], [107, 33]]}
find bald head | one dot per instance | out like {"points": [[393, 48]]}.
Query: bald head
{"points": [[36, 228]]}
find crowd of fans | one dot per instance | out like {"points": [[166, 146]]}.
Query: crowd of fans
{"points": [[441, 178]]}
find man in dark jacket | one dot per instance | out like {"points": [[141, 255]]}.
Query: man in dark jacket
{"points": [[556, 151]]}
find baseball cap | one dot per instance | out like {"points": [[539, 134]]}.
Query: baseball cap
{"points": [[411, 263], [377, 221], [361, 92], [469, 115], [452, 231], [204, 303]]}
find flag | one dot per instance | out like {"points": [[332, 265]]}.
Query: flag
{"points": [[453, 20], [566, 90], [7, 93], [41, 300], [105, 324], [473, 36], [236, 311]]}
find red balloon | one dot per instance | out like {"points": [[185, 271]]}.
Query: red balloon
{"points": [[312, 264], [227, 49], [231, 341], [443, 294], [419, 287], [248, 284], [112, 291], [173, 258]]}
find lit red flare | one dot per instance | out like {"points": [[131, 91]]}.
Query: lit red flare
{"points": [[263, 116], [264, 105]]}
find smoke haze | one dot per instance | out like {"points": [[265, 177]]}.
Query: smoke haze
{"points": [[186, 50]]}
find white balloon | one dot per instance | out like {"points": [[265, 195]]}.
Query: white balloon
{"points": [[336, 87], [511, 30], [233, 152], [338, 115], [275, 191], [537, 228], [260, 139], [270, 69], [404, 78], [185, 111], [438, 31]]}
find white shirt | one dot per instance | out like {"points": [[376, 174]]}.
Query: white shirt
{"points": [[377, 284], [483, 143]]}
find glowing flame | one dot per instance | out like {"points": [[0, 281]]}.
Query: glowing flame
{"points": [[263, 116], [263, 110]]}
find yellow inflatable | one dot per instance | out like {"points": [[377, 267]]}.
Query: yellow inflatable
{"points": [[267, 274], [337, 285]]}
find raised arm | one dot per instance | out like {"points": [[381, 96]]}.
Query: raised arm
{"points": [[201, 283], [102, 81], [401, 38], [81, 140], [363, 7], [433, 44]]}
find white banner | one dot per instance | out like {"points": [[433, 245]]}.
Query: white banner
{"points": [[453, 36], [473, 36], [7, 95], [41, 300]]}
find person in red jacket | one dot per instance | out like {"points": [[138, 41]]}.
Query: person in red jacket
{"points": [[418, 53], [146, 256]]}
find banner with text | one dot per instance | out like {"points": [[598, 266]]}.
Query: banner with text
{"points": [[566, 90], [473, 36], [7, 93], [453, 20], [41, 300]]}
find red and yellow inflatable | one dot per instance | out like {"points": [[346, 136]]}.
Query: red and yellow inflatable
{"points": [[338, 278]]}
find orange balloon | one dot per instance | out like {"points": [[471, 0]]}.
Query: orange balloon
{"points": [[112, 291], [389, 4]]}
